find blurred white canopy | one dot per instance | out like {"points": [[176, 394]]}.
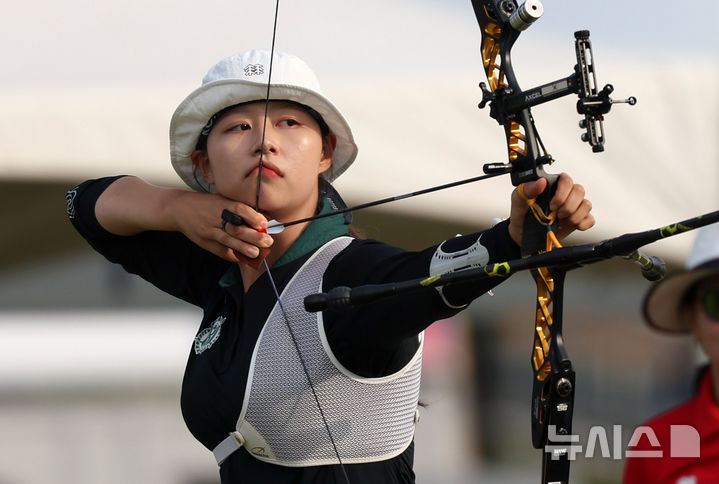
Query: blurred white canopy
{"points": [[88, 90]]}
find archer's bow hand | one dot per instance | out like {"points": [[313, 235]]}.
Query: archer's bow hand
{"points": [[569, 202]]}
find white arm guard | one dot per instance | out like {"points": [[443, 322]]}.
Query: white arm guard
{"points": [[475, 255]]}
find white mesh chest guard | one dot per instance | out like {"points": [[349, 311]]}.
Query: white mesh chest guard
{"points": [[370, 419]]}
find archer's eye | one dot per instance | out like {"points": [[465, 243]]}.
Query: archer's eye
{"points": [[241, 127], [289, 122]]}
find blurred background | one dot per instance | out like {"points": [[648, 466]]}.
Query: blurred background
{"points": [[92, 358]]}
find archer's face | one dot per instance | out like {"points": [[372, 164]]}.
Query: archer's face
{"points": [[292, 160], [703, 327]]}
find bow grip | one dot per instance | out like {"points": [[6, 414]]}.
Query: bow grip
{"points": [[534, 233]]}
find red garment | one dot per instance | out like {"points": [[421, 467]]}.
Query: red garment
{"points": [[676, 441]]}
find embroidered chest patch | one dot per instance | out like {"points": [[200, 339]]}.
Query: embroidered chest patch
{"points": [[207, 337]]}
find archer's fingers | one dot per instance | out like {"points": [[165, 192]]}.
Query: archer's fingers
{"points": [[535, 188], [250, 217], [573, 203], [579, 219], [250, 249], [248, 235], [221, 251], [563, 192]]}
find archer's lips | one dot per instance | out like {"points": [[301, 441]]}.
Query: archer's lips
{"points": [[268, 170]]}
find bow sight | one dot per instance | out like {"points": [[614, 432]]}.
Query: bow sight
{"points": [[502, 21]]}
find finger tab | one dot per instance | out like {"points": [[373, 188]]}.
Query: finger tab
{"points": [[256, 262]]}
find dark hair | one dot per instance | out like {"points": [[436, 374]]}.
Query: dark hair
{"points": [[689, 296]]}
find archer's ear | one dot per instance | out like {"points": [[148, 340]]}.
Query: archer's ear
{"points": [[329, 143], [202, 162]]}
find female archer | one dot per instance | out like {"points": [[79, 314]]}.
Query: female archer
{"points": [[280, 394]]}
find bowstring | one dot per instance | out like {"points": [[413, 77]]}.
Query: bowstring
{"points": [[267, 267], [306, 371], [267, 107]]}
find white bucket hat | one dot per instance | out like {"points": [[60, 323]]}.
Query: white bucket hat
{"points": [[243, 78], [662, 304]]}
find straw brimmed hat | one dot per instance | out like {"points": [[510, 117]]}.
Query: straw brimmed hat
{"points": [[243, 78], [662, 304]]}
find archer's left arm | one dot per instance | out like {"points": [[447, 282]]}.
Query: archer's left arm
{"points": [[502, 242], [378, 339], [404, 316]]}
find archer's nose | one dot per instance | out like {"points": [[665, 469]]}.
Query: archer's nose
{"points": [[265, 143]]}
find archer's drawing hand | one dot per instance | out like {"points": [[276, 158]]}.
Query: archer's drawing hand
{"points": [[573, 209], [199, 217]]}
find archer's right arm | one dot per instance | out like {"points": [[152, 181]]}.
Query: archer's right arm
{"points": [[129, 206], [169, 237]]}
